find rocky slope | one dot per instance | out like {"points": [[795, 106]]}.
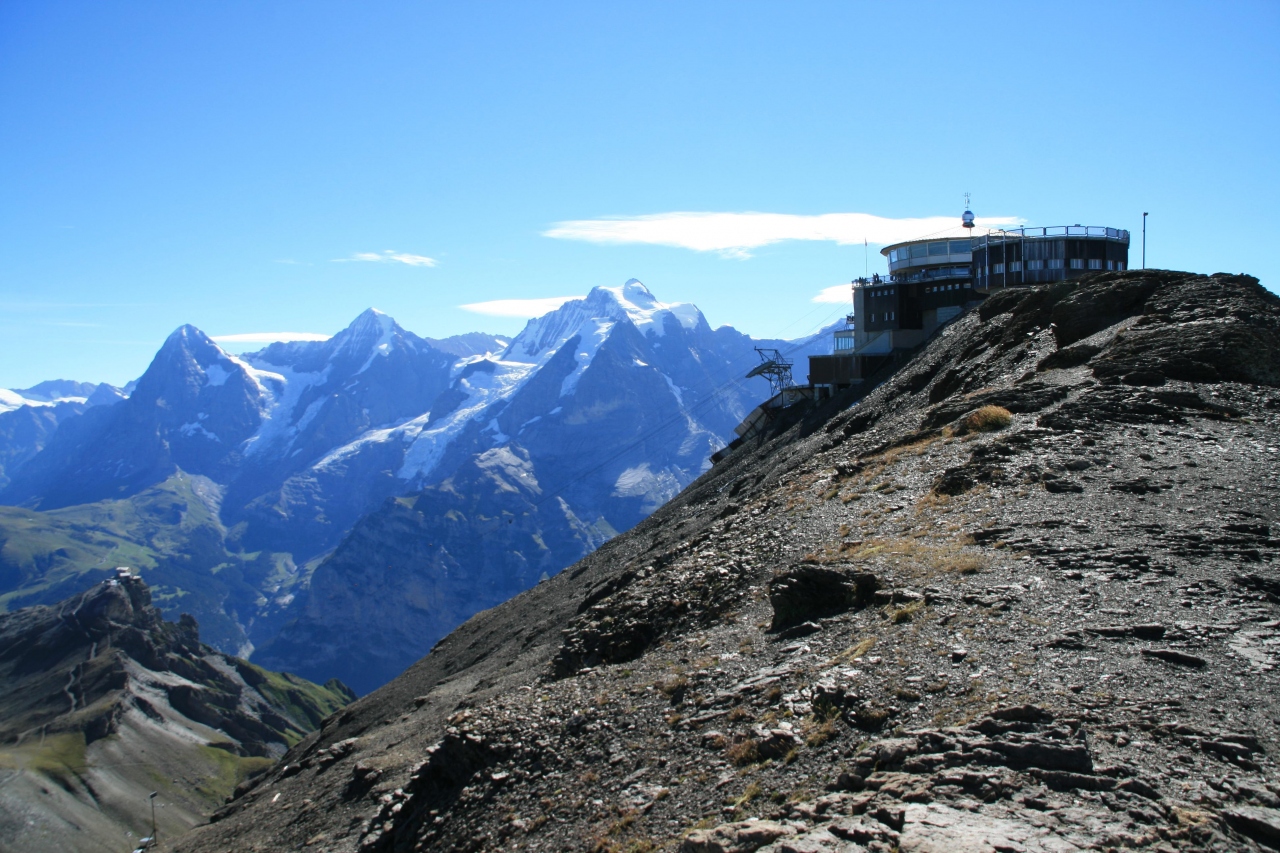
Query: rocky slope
{"points": [[1023, 596], [102, 702]]}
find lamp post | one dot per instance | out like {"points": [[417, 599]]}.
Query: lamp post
{"points": [[152, 798], [1144, 239]]}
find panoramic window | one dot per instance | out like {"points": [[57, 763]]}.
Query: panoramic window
{"points": [[919, 251], [959, 247], [937, 248]]}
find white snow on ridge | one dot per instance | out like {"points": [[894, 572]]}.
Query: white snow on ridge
{"points": [[216, 374], [632, 302], [588, 346], [276, 431], [10, 400], [504, 466], [483, 388], [647, 313], [655, 487], [383, 346]]}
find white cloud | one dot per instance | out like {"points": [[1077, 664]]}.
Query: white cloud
{"points": [[518, 307], [835, 293], [735, 234], [389, 256], [270, 337]]}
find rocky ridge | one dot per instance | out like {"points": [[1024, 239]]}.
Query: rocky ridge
{"points": [[1023, 596], [103, 701]]}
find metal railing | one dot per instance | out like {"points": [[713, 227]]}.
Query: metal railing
{"points": [[1055, 231]]}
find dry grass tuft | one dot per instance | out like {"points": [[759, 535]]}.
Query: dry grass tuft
{"points": [[821, 733], [854, 651], [988, 419], [744, 752], [905, 613]]}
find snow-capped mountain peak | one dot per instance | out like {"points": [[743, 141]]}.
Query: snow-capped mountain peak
{"points": [[645, 311], [593, 316]]}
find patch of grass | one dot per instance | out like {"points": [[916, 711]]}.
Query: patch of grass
{"points": [[857, 650], [303, 702], [988, 419], [60, 756], [905, 613], [228, 771], [669, 687], [738, 712], [822, 732], [744, 752], [750, 793]]}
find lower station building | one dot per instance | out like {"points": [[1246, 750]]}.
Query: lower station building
{"points": [[933, 279]]}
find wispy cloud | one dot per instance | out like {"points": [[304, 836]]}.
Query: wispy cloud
{"points": [[270, 337], [835, 293], [518, 307], [389, 256], [736, 234]]}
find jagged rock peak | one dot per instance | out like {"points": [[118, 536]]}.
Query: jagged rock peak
{"points": [[189, 339], [371, 330]]}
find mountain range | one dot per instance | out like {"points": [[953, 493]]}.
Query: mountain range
{"points": [[262, 491]]}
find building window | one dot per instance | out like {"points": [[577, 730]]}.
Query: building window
{"points": [[1035, 265], [997, 269], [1119, 265], [960, 247], [1095, 264], [1055, 263], [1015, 266], [1077, 263], [937, 248]]}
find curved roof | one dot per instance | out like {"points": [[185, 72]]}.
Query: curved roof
{"points": [[958, 232]]}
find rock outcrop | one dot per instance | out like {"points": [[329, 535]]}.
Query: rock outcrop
{"points": [[869, 632]]}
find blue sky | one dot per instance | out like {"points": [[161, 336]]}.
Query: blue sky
{"points": [[251, 167]]}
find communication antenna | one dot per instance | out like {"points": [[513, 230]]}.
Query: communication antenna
{"points": [[1144, 240], [774, 367], [967, 218]]}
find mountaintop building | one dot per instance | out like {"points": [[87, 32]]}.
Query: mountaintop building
{"points": [[932, 280]]}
